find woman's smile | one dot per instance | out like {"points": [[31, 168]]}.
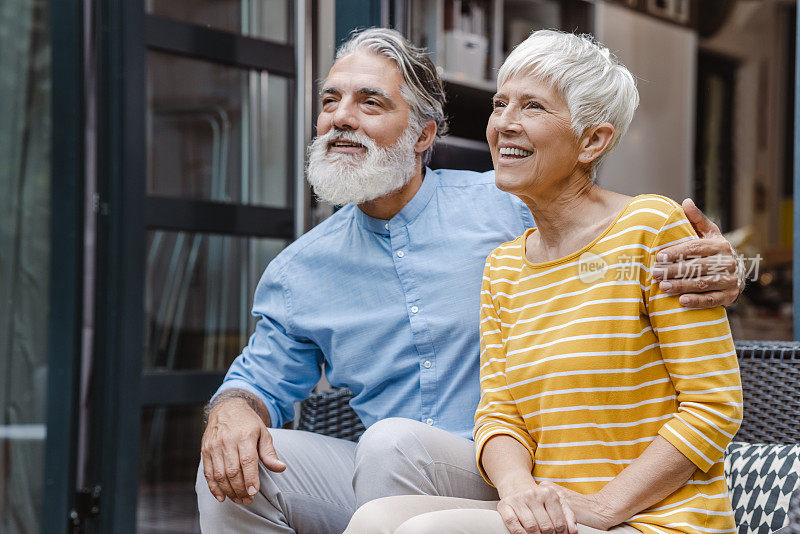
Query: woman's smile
{"points": [[512, 154]]}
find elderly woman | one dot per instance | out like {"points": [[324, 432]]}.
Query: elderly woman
{"points": [[605, 404]]}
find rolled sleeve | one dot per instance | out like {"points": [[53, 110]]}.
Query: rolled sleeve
{"points": [[276, 366], [698, 352]]}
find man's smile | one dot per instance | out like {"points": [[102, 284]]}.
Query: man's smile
{"points": [[342, 146]]}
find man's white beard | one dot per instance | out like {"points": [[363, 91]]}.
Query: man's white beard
{"points": [[340, 178]]}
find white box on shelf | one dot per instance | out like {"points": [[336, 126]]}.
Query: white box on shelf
{"points": [[465, 54]]}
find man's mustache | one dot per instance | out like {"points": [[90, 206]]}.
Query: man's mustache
{"points": [[350, 136]]}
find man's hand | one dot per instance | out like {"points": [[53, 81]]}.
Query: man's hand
{"points": [[234, 440], [702, 271], [530, 509]]}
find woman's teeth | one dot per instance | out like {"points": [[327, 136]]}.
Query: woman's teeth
{"points": [[515, 152]]}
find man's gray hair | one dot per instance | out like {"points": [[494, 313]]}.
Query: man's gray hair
{"points": [[422, 88], [595, 85]]}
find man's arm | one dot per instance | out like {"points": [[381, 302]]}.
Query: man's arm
{"points": [[251, 400], [276, 369], [705, 272]]}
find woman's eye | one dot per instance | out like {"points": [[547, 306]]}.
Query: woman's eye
{"points": [[498, 104], [535, 105]]}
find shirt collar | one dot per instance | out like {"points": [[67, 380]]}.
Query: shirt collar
{"points": [[409, 212]]}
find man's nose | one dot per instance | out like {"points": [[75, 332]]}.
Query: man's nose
{"points": [[345, 117]]}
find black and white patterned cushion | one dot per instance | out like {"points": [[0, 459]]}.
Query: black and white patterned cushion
{"points": [[761, 479]]}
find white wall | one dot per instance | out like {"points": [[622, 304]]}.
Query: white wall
{"points": [[657, 154]]}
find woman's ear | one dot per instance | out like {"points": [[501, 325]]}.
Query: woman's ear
{"points": [[595, 142], [426, 138]]}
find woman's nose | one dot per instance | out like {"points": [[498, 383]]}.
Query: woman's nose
{"points": [[507, 120]]}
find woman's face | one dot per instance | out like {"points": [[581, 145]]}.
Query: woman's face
{"points": [[530, 137]]}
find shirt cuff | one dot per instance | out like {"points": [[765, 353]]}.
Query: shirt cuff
{"points": [[688, 441], [489, 430], [275, 419]]}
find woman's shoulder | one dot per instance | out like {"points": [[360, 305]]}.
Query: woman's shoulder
{"points": [[652, 210], [510, 251]]}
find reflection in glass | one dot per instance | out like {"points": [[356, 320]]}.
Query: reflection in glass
{"points": [[263, 19], [216, 132], [198, 295], [25, 198], [170, 455]]}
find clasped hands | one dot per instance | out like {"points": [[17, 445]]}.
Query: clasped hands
{"points": [[547, 508]]}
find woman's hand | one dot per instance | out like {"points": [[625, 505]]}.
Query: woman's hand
{"points": [[589, 510], [528, 508]]}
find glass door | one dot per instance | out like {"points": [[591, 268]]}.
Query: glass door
{"points": [[201, 148]]}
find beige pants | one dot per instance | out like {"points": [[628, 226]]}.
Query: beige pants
{"points": [[413, 514]]}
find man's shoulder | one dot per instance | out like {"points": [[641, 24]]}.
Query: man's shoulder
{"points": [[480, 188], [327, 232]]}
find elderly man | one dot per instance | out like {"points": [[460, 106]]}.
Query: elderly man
{"points": [[384, 295]]}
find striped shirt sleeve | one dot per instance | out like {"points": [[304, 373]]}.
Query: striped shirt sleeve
{"points": [[699, 355], [497, 412]]}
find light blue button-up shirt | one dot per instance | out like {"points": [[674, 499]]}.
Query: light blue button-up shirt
{"points": [[390, 308]]}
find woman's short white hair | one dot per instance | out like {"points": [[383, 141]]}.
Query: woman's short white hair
{"points": [[595, 85]]}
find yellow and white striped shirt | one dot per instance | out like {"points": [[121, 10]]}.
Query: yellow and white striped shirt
{"points": [[584, 361]]}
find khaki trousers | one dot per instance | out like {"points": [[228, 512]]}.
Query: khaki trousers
{"points": [[326, 479], [412, 514]]}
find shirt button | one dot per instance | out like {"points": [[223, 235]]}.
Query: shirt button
{"points": [[414, 309], [429, 421], [427, 364], [386, 226], [400, 253]]}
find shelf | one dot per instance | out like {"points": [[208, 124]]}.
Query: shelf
{"points": [[455, 78]]}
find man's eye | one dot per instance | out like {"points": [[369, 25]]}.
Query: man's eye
{"points": [[371, 102], [326, 101]]}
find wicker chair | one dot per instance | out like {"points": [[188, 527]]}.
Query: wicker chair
{"points": [[770, 381], [771, 384]]}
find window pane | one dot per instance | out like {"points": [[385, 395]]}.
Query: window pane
{"points": [[170, 453], [263, 19], [217, 133], [24, 259], [198, 296]]}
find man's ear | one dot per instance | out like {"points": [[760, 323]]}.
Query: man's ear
{"points": [[426, 138], [595, 142]]}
